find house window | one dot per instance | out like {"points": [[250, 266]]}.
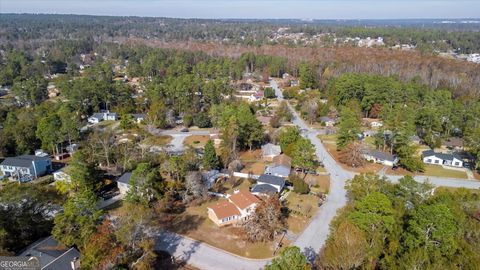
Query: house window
{"points": [[437, 161], [429, 160], [457, 163]]}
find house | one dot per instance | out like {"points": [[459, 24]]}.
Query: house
{"points": [[123, 183], [102, 116], [52, 255], [327, 121], [281, 166], [25, 168], [239, 207], [139, 117], [369, 133], [268, 184], [380, 157], [372, 122], [62, 175], [269, 151], [452, 160]]}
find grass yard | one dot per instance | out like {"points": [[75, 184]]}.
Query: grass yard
{"points": [[433, 170], [252, 161], [158, 140], [197, 141], [194, 223], [320, 183], [302, 209], [328, 139]]}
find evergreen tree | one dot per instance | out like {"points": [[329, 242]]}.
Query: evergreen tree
{"points": [[210, 158]]}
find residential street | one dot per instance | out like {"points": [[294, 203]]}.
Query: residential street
{"points": [[312, 238]]}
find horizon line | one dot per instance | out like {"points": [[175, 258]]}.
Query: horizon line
{"points": [[226, 18]]}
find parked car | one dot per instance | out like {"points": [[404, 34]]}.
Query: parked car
{"points": [[184, 130]]}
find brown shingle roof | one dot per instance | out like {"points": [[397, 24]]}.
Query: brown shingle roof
{"points": [[225, 209], [243, 199], [283, 160]]}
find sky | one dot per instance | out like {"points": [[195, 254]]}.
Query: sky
{"points": [[253, 9]]}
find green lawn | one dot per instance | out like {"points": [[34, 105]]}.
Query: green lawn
{"points": [[435, 170], [302, 208]]}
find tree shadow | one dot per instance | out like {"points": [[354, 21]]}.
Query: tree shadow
{"points": [[185, 223], [179, 247]]}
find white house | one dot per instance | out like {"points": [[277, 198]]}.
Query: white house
{"points": [[267, 184], [380, 157], [452, 160], [25, 168], [281, 166], [102, 116]]}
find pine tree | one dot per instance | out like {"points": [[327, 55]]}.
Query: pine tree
{"points": [[210, 159]]}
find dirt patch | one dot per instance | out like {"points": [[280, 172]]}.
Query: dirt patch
{"points": [[197, 141]]}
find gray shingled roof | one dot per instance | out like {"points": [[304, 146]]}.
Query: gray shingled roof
{"points": [[125, 178], [380, 155], [24, 161], [263, 188], [64, 261], [443, 156], [52, 254], [271, 179]]}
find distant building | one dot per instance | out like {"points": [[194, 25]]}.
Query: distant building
{"points": [[25, 168], [372, 122], [102, 116], [52, 255], [327, 121], [452, 160], [139, 117], [239, 207]]}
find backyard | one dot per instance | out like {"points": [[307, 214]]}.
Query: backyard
{"points": [[197, 141]]}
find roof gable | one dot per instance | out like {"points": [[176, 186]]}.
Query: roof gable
{"points": [[243, 199], [271, 179]]}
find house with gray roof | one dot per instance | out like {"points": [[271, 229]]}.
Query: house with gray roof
{"points": [[267, 184], [25, 168], [328, 121], [380, 157], [52, 255], [281, 166], [432, 157], [123, 183], [139, 117], [270, 150]]}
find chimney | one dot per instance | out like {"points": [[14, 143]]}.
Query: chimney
{"points": [[75, 263]]}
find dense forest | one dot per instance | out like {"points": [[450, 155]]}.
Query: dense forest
{"points": [[403, 226], [429, 35], [57, 70]]}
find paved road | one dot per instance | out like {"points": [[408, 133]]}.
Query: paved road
{"points": [[311, 239], [314, 236], [202, 255]]}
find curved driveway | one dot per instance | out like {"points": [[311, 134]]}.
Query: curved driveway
{"points": [[312, 239]]}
